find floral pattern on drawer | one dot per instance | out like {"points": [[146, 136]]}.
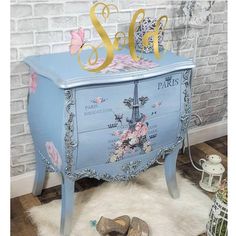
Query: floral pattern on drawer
{"points": [[153, 134], [130, 139]]}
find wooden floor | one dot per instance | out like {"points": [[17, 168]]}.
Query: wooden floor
{"points": [[21, 224]]}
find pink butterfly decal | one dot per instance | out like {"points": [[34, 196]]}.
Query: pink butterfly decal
{"points": [[157, 104], [77, 40]]}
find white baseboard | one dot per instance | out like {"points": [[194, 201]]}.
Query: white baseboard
{"points": [[207, 132], [23, 184]]}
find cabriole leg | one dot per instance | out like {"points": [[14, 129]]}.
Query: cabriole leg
{"points": [[170, 172], [39, 176], [67, 205]]}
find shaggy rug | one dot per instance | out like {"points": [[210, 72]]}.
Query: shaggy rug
{"points": [[146, 197]]}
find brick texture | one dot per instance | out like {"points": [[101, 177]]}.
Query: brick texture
{"points": [[43, 26]]}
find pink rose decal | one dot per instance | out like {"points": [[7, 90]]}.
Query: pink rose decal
{"points": [[124, 62], [98, 100], [53, 154], [33, 82], [141, 129], [116, 133], [138, 126], [125, 135], [77, 40], [129, 140]]}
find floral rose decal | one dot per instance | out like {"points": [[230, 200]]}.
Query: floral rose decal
{"points": [[98, 100], [124, 62], [33, 82], [53, 154], [129, 140]]}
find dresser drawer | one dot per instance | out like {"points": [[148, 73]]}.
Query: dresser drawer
{"points": [[122, 170], [102, 107], [116, 144], [110, 106], [164, 94]]}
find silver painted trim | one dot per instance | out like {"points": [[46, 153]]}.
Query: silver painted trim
{"points": [[124, 77], [92, 78]]}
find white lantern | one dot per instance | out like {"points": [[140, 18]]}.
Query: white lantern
{"points": [[212, 171]]}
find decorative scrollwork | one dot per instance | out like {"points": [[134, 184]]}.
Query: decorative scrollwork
{"points": [[69, 131], [185, 117], [131, 167], [49, 166]]}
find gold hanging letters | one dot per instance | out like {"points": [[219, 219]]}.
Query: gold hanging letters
{"points": [[119, 40]]}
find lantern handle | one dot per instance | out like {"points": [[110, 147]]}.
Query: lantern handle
{"points": [[201, 161]]}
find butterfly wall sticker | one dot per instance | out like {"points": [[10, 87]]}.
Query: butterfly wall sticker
{"points": [[77, 40]]}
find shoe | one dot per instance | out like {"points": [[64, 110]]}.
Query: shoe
{"points": [[117, 227], [138, 227]]}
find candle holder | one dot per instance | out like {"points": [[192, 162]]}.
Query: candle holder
{"points": [[212, 172]]}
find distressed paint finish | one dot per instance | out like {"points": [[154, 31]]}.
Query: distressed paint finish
{"points": [[109, 126]]}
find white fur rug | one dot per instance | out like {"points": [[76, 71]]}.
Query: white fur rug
{"points": [[146, 197]]}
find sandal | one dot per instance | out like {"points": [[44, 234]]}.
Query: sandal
{"points": [[118, 226], [138, 227]]}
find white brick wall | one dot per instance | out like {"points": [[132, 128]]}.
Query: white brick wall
{"points": [[46, 9], [43, 26], [19, 11], [32, 24]]}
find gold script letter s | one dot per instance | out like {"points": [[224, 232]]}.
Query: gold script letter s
{"points": [[105, 38]]}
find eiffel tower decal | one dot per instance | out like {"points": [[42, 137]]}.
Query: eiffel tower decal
{"points": [[134, 104], [136, 135]]}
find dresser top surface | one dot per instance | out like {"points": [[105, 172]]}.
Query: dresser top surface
{"points": [[63, 68]]}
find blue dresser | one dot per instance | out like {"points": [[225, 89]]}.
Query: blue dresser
{"points": [[110, 125]]}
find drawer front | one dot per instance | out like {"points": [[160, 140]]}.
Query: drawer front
{"points": [[101, 107], [164, 94], [122, 170], [117, 144], [110, 106]]}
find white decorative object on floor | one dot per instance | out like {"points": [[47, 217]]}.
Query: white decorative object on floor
{"points": [[212, 171], [145, 196]]}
